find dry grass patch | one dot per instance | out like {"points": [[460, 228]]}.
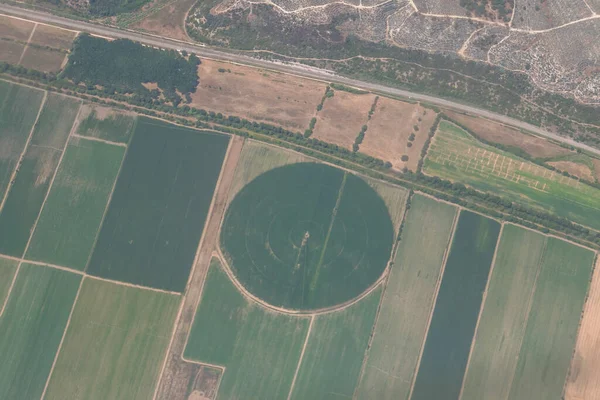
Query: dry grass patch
{"points": [[576, 169], [51, 36], [257, 94], [596, 164], [502, 134], [342, 117], [389, 129], [42, 59], [169, 21], [15, 29], [10, 51]]}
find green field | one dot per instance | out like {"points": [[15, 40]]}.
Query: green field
{"points": [[106, 124], [115, 344], [307, 236], [553, 321], [408, 301], [31, 329], [161, 200], [394, 198], [448, 342], [504, 316], [7, 273], [335, 351], [459, 157], [35, 174], [259, 349], [19, 106], [73, 212]]}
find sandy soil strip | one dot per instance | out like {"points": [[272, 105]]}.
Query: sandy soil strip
{"points": [[437, 290], [27, 45], [93, 139], [312, 319], [131, 285]]}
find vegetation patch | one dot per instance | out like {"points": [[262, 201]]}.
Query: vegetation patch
{"points": [[452, 326], [161, 200], [115, 344], [69, 223], [307, 236], [8, 269], [106, 124], [32, 327], [259, 349]]}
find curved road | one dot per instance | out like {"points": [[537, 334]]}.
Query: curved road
{"points": [[295, 69]]}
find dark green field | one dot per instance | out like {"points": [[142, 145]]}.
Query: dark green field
{"points": [[31, 329], [19, 106], [307, 236], [160, 203], [456, 309], [42, 156]]}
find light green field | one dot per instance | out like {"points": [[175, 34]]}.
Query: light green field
{"points": [[106, 124], [257, 158], [553, 321], [407, 301], [19, 106], [71, 217], [504, 316], [394, 198], [459, 157], [7, 273], [335, 351], [259, 349], [31, 328], [115, 345]]}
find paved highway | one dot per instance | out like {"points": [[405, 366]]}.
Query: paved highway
{"points": [[295, 69]]}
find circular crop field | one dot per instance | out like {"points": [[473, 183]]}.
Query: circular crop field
{"points": [[307, 236]]}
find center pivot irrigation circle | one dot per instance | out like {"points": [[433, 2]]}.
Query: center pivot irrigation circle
{"points": [[307, 236]]}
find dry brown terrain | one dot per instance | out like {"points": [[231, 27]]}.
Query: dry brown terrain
{"points": [[10, 52], [41, 59], [583, 382], [168, 21], [576, 169], [51, 36], [596, 163], [342, 117], [257, 94], [389, 129], [15, 29], [502, 134]]}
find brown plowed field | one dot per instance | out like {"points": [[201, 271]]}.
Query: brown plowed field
{"points": [[15, 29], [51, 36], [576, 169], [43, 59]]}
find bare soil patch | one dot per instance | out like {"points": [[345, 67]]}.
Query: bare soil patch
{"points": [[342, 117], [389, 130], [10, 51], [576, 169], [43, 59], [57, 38], [584, 380], [502, 134], [257, 94], [15, 29], [596, 163], [169, 21]]}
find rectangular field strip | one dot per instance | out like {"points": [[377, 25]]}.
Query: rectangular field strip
{"points": [[258, 348], [457, 306], [8, 268], [160, 203], [335, 351], [115, 344], [69, 223], [407, 302], [31, 329], [32, 182], [106, 124]]}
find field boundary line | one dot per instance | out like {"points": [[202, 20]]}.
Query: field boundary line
{"points": [[94, 139], [434, 300], [62, 339], [299, 365], [31, 131], [481, 308], [27, 44], [131, 285]]}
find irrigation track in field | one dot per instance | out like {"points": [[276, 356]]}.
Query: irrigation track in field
{"points": [[294, 69]]}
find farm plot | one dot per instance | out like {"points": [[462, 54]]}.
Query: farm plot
{"points": [[19, 107], [307, 236], [258, 349], [408, 300], [15, 29], [53, 37], [504, 317], [457, 306], [105, 123], [31, 329], [335, 351], [390, 128], [7, 273], [69, 222], [43, 59], [115, 343], [257, 94], [457, 156], [394, 198], [35, 174], [160, 203], [10, 52], [553, 322], [342, 118]]}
